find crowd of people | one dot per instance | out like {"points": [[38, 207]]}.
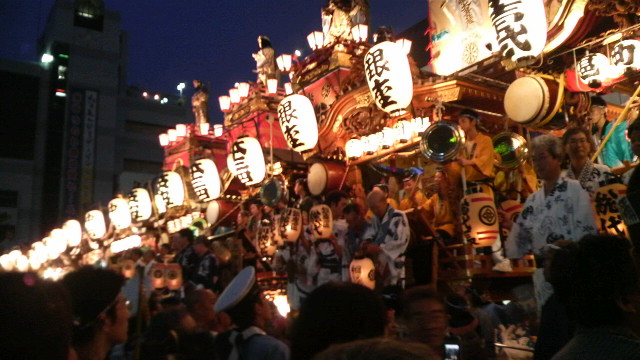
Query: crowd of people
{"points": [[587, 285]]}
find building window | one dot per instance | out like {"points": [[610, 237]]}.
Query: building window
{"points": [[89, 14]]}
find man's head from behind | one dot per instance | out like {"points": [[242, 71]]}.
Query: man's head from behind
{"points": [[377, 202]]}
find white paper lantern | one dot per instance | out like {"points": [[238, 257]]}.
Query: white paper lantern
{"points": [[353, 149], [205, 179], [593, 69], [265, 240], [74, 232], [389, 77], [248, 161], [373, 143], [625, 55], [420, 124], [298, 122], [404, 131], [22, 263], [140, 205], [521, 27], [290, 225], [160, 205], [6, 262], [171, 188], [321, 221], [119, 213], [389, 137], [363, 272]]}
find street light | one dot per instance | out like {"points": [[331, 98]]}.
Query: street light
{"points": [[46, 58], [181, 87]]}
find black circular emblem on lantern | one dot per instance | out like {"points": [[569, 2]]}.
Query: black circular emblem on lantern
{"points": [[487, 215]]}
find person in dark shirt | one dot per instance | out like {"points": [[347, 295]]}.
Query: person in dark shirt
{"points": [[185, 257], [206, 271]]}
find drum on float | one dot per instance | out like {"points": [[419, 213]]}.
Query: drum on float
{"points": [[222, 210], [480, 220], [442, 141], [535, 102], [325, 176], [605, 206]]}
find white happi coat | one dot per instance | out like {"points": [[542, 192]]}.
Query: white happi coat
{"points": [[590, 176], [566, 213], [392, 235]]}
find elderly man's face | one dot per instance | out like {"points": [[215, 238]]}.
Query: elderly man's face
{"points": [[596, 114], [546, 166]]}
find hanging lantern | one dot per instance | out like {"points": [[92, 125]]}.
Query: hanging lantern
{"points": [[275, 228], [389, 77], [205, 179], [74, 232], [204, 128], [6, 262], [128, 268], [298, 122], [266, 241], [420, 124], [606, 209], [173, 276], [160, 205], [157, 276], [171, 188], [288, 88], [54, 247], [181, 130], [127, 243], [521, 28], [626, 56], [479, 217], [218, 129], [60, 240], [140, 205], [119, 213], [173, 135], [353, 149], [405, 44], [225, 103], [404, 131], [593, 69], [315, 40], [284, 62], [248, 160], [363, 272], [272, 86], [34, 260], [94, 224], [373, 143], [290, 225], [243, 88], [321, 221], [360, 33], [39, 252], [22, 263], [164, 139], [234, 96], [388, 138]]}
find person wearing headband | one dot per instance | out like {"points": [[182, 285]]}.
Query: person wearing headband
{"points": [[617, 149], [248, 309], [479, 158]]}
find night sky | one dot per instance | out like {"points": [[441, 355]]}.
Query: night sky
{"points": [[178, 41]]}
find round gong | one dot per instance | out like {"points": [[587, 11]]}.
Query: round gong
{"points": [[512, 149], [272, 191], [442, 141]]}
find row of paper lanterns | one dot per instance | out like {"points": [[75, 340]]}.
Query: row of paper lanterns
{"points": [[182, 130], [401, 133]]}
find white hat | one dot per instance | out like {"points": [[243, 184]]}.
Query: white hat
{"points": [[237, 289]]}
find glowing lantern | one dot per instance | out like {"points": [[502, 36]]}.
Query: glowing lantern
{"points": [[626, 55], [22, 263], [74, 232], [290, 225], [479, 217], [521, 27], [405, 44], [593, 69], [275, 229], [205, 179], [6, 262], [316, 40], [360, 33], [128, 268], [234, 95], [127, 243], [606, 209], [273, 285], [373, 143], [140, 205], [266, 241], [288, 88], [39, 252], [420, 124], [181, 130], [363, 272], [389, 77], [171, 188], [298, 122], [353, 149], [404, 131], [248, 160], [53, 246], [59, 240], [243, 88], [284, 62], [388, 138], [160, 205], [157, 276], [173, 135], [35, 260], [321, 221], [218, 129], [164, 139], [173, 276], [204, 129], [225, 103], [272, 86], [119, 213]]}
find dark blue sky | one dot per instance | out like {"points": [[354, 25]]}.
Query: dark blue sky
{"points": [[212, 40]]}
